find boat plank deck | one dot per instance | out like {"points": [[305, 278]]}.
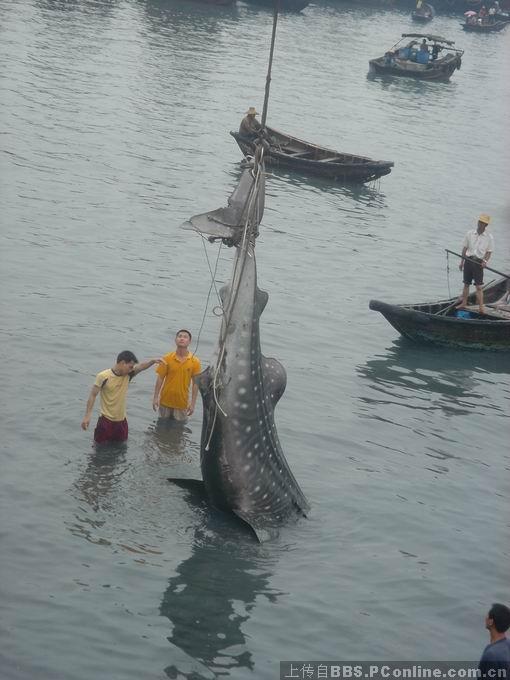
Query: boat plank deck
{"points": [[491, 311]]}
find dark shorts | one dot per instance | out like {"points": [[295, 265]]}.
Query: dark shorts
{"points": [[110, 430], [473, 271]]}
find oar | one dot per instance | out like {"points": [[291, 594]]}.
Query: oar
{"points": [[463, 257]]}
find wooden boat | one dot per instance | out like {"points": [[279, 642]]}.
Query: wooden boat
{"points": [[424, 13], [440, 323], [401, 59], [289, 152], [485, 26], [284, 5]]}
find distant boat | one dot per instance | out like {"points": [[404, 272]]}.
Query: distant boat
{"points": [[440, 323], [410, 62], [290, 152], [284, 5], [424, 13], [484, 25]]}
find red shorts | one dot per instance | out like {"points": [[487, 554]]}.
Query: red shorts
{"points": [[110, 430]]}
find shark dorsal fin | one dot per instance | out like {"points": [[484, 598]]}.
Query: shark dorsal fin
{"points": [[275, 378]]}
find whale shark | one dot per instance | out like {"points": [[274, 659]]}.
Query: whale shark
{"points": [[243, 466]]}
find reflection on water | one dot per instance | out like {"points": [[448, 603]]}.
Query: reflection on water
{"points": [[212, 596], [105, 467], [168, 441], [369, 194], [419, 378]]}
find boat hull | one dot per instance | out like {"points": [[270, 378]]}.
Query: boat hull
{"points": [[440, 72], [285, 150], [284, 5], [421, 18], [485, 28], [424, 324]]}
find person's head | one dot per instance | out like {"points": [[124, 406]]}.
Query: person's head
{"points": [[483, 221], [125, 362], [498, 618], [252, 112], [183, 338]]}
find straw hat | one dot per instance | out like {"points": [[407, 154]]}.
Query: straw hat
{"points": [[484, 218], [252, 111]]}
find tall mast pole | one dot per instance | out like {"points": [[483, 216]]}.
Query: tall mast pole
{"points": [[268, 77]]}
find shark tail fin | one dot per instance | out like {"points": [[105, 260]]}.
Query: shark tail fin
{"points": [[263, 532]]}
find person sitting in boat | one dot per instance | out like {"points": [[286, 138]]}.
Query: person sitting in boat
{"points": [[435, 51], [483, 12], [389, 58], [250, 127]]}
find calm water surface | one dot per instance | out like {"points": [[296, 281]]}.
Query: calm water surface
{"points": [[114, 129]]}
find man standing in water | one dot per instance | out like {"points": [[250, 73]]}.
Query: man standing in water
{"points": [[496, 656], [478, 246], [171, 392], [112, 384]]}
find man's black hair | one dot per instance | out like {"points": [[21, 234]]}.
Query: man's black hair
{"points": [[127, 356], [183, 330], [500, 614]]}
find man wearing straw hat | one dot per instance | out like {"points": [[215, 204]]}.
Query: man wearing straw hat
{"points": [[250, 126], [478, 246]]}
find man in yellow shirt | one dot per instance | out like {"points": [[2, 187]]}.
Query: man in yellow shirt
{"points": [[171, 392], [112, 384]]}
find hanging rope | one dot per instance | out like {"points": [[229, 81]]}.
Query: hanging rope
{"points": [[213, 285]]}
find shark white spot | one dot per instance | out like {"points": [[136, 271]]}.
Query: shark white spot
{"points": [[256, 446], [241, 390], [249, 454], [246, 467], [264, 496], [257, 488], [248, 428]]}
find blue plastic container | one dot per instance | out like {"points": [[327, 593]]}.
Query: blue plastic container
{"points": [[463, 314], [422, 57]]}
